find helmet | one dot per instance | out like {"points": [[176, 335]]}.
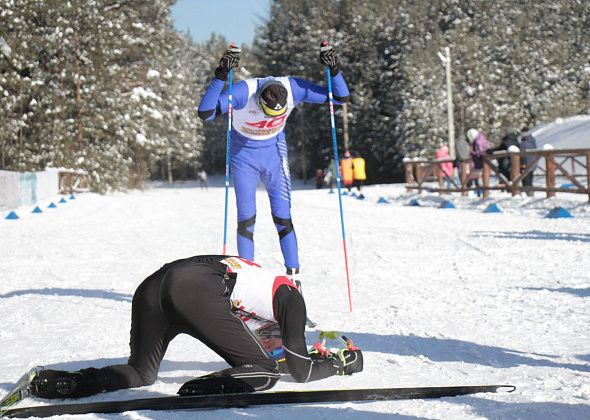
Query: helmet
{"points": [[272, 98]]}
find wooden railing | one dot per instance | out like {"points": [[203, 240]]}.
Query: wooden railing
{"points": [[73, 180], [420, 173]]}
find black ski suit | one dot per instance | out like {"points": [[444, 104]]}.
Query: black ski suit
{"points": [[192, 296]]}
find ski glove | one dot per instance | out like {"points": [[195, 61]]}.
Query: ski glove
{"points": [[348, 361], [328, 57], [229, 60], [345, 361]]}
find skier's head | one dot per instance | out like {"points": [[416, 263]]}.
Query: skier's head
{"points": [[272, 98]]}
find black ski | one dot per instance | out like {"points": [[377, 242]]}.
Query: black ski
{"points": [[210, 402]]}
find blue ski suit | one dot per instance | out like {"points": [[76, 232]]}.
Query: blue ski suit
{"points": [[258, 152]]}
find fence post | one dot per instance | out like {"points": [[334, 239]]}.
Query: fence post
{"points": [[550, 175], [409, 173], [419, 175], [464, 176], [486, 177], [514, 172]]}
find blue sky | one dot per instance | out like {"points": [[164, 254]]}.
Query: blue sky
{"points": [[234, 19]]}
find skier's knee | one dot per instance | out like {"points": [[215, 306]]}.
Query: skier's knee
{"points": [[286, 224], [243, 226], [147, 378]]}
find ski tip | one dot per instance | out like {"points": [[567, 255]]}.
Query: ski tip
{"points": [[506, 388]]}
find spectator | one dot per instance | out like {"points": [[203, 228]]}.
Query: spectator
{"points": [[319, 178], [479, 146], [330, 177], [444, 169], [462, 150], [346, 171], [358, 172], [527, 142], [510, 139]]}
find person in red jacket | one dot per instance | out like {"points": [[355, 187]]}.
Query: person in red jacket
{"points": [[221, 301]]}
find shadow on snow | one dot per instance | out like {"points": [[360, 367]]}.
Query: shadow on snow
{"points": [[88, 293], [535, 234], [583, 293], [451, 350]]}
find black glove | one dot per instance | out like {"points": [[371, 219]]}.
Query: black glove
{"points": [[347, 361], [229, 60], [328, 57]]}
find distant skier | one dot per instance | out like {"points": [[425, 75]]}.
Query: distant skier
{"points": [[202, 175], [219, 300], [258, 149]]}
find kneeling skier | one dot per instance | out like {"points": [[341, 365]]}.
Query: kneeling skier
{"points": [[220, 301]]}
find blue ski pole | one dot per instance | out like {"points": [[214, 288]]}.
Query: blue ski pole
{"points": [[227, 145], [335, 147]]}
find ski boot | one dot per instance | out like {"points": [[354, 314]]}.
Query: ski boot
{"points": [[53, 384]]}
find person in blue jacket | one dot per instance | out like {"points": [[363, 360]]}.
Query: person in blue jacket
{"points": [[258, 152]]}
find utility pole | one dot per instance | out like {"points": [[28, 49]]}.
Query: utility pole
{"points": [[446, 59]]}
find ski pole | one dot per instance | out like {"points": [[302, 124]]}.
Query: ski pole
{"points": [[335, 147], [227, 145]]}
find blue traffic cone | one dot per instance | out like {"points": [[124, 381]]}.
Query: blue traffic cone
{"points": [[558, 213], [344, 193], [37, 210], [353, 194], [382, 200], [414, 202], [492, 208], [52, 205], [12, 216], [360, 196], [447, 205], [63, 200], [72, 197]]}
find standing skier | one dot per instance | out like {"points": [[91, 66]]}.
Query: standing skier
{"points": [[220, 301], [258, 149]]}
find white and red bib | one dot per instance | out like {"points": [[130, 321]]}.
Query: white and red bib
{"points": [[251, 122], [254, 289]]}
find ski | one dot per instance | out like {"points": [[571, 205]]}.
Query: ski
{"points": [[20, 390], [219, 401]]}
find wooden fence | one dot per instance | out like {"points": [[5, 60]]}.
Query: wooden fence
{"points": [[73, 180], [420, 173]]}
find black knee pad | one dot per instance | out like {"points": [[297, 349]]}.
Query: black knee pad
{"points": [[287, 223], [243, 226]]}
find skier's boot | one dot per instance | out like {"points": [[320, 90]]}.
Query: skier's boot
{"points": [[62, 384]]}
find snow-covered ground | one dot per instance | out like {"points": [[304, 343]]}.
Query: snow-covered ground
{"points": [[440, 296]]}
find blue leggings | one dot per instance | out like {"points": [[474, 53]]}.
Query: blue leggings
{"points": [[265, 161]]}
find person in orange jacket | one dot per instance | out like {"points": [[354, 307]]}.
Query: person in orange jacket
{"points": [[358, 172], [346, 170]]}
